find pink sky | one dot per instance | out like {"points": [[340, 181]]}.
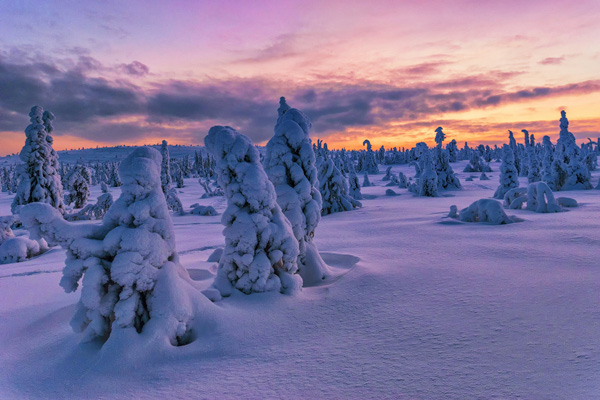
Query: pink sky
{"points": [[391, 71]]}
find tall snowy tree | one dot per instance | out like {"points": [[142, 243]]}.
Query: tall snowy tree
{"points": [[547, 175], [445, 174], [290, 165], [261, 251], [39, 180], [428, 181], [165, 170], [569, 172], [130, 273], [509, 176]]}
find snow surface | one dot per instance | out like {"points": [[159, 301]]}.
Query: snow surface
{"points": [[423, 307]]}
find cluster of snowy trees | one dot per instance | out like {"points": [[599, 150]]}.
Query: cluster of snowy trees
{"points": [[564, 166], [127, 265]]}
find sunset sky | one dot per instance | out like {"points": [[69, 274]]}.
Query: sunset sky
{"points": [[129, 72]]}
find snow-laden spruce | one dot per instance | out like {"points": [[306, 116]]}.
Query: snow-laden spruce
{"points": [[79, 181], [569, 172], [39, 180], [547, 175], [533, 171], [509, 176], [447, 180], [428, 181], [334, 189], [173, 202], [128, 267], [261, 251], [354, 184], [165, 168], [290, 166]]}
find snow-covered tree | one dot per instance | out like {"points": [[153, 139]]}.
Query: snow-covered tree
{"points": [[354, 185], [428, 181], [78, 183], [130, 273], [366, 181], [369, 164], [445, 173], [452, 149], [334, 189], [509, 176], [547, 175], [533, 170], [261, 251], [290, 165], [569, 172], [512, 143], [165, 169], [39, 180]]}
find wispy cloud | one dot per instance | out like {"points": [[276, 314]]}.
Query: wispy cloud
{"points": [[552, 61]]}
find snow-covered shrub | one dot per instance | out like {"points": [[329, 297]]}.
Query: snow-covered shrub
{"points": [[509, 176], [197, 209], [5, 230], [515, 198], [128, 266], [567, 202], [93, 211], [540, 198], [402, 181], [261, 251], [394, 181], [209, 190], [366, 181], [388, 174], [18, 249], [173, 202], [390, 192], [290, 165], [39, 180], [104, 187], [485, 210], [483, 177], [453, 212], [334, 189]]}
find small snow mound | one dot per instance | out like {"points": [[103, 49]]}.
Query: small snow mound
{"points": [[486, 210], [204, 211], [567, 202], [18, 249], [390, 192]]}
